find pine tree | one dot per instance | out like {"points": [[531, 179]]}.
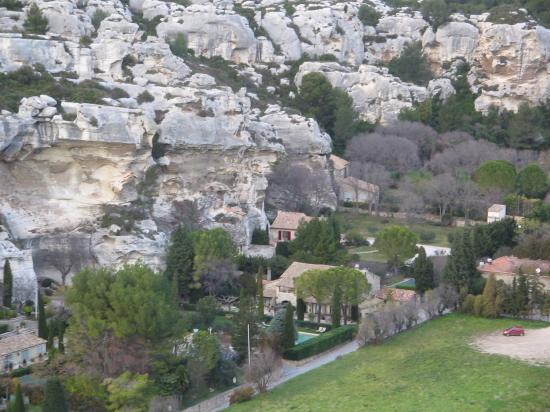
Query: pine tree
{"points": [[300, 309], [289, 332], [260, 293], [461, 268], [19, 405], [423, 272], [179, 261], [489, 298], [8, 284], [336, 305], [42, 325], [54, 400], [481, 242], [36, 22]]}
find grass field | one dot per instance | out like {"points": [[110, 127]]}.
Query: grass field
{"points": [[369, 225], [429, 368]]}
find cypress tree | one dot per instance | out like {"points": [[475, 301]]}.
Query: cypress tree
{"points": [[489, 298], [522, 291], [179, 261], [300, 309], [260, 293], [336, 305], [289, 332], [19, 405], [54, 400], [423, 272], [36, 22], [42, 325], [8, 284]]}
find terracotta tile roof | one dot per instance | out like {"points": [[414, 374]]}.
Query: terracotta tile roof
{"points": [[338, 162], [509, 265], [497, 208], [361, 184], [295, 270], [289, 220], [399, 295], [17, 341]]}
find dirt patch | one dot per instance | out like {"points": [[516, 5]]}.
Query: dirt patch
{"points": [[534, 347]]}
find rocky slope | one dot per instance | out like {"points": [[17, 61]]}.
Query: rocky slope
{"points": [[79, 183]]}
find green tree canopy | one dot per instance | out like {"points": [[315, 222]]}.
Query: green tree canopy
{"points": [[436, 12], [461, 270], [130, 392], [532, 181], [211, 246], [207, 307], [289, 331], [317, 284], [368, 15], [352, 284], [318, 241], [397, 243], [206, 349], [411, 66], [496, 175]]}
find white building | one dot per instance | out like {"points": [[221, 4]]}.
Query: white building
{"points": [[21, 348], [496, 213]]}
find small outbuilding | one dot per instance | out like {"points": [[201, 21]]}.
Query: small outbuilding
{"points": [[496, 213]]}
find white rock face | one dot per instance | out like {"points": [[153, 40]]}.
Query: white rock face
{"points": [[276, 25], [65, 19], [329, 30], [25, 285], [377, 95], [211, 33], [452, 40]]}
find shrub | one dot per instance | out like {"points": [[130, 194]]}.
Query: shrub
{"points": [[321, 343], [222, 325], [98, 16], [282, 249], [426, 236], [260, 236], [368, 15], [12, 5], [411, 65], [178, 45], [36, 22], [145, 97], [354, 238], [241, 395], [85, 41]]}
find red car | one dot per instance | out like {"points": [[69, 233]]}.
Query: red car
{"points": [[514, 331]]}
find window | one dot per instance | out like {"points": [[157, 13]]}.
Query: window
{"points": [[284, 235]]}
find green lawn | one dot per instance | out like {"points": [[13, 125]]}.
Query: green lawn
{"points": [[429, 368], [368, 254], [369, 225]]}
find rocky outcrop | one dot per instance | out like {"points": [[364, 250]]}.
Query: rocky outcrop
{"points": [[377, 95], [25, 285]]}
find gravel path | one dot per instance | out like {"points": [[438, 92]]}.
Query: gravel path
{"points": [[534, 347]]}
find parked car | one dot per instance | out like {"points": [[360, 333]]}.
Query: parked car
{"points": [[514, 331]]}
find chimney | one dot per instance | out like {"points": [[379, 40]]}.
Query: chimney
{"points": [[268, 275]]}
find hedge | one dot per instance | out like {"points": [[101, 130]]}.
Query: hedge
{"points": [[320, 343]]}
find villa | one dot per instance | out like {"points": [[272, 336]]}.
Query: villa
{"points": [[506, 268], [282, 290], [21, 348], [285, 225]]}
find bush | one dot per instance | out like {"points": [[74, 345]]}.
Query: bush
{"points": [[241, 395], [411, 65], [98, 16], [12, 5], [282, 249], [355, 238], [260, 236], [426, 236], [178, 45], [321, 343], [85, 41], [368, 15], [222, 325], [145, 97], [36, 22]]}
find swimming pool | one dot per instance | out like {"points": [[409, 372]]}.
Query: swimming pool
{"points": [[303, 336]]}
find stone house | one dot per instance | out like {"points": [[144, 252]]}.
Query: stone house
{"points": [[282, 290], [283, 228], [506, 268], [351, 189], [496, 213], [21, 348]]}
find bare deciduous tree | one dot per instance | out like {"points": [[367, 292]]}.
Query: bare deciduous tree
{"points": [[393, 152], [442, 192], [221, 278], [264, 365], [423, 136]]}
